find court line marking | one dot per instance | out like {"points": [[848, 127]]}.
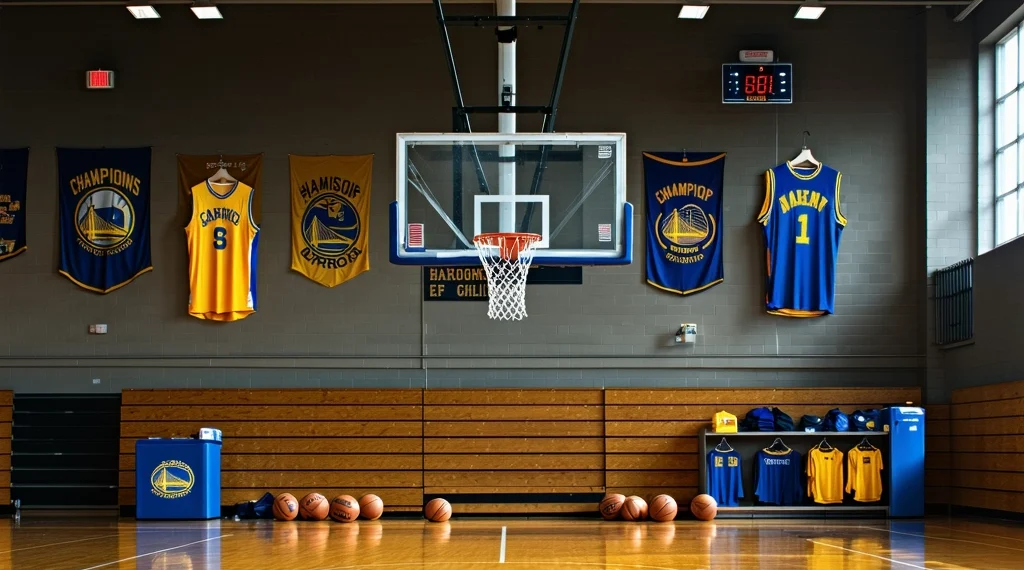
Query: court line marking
{"points": [[980, 533], [531, 562], [59, 543], [945, 538], [157, 552], [501, 554], [867, 554]]}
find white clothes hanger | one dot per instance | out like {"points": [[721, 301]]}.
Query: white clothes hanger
{"points": [[222, 176], [805, 159]]}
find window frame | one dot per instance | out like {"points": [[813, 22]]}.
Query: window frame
{"points": [[1016, 145]]}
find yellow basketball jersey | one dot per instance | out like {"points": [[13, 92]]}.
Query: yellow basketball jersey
{"points": [[865, 475], [825, 476], [222, 242]]}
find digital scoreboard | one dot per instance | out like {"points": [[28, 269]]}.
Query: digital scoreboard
{"points": [[764, 83]]}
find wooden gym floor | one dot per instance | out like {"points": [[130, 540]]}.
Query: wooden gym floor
{"points": [[57, 541]]}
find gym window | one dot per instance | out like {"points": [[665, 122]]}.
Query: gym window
{"points": [[1009, 131]]}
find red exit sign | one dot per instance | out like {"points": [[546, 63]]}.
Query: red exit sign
{"points": [[99, 79]]}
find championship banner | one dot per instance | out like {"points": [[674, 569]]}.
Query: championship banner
{"points": [[331, 216], [103, 197], [194, 168], [13, 182], [684, 220]]}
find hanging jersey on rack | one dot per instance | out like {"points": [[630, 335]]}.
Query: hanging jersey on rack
{"points": [[825, 476], [802, 225], [865, 474], [777, 477], [725, 477]]}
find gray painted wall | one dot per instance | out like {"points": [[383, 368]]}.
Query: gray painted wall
{"points": [[998, 335], [344, 79], [951, 169], [994, 355]]}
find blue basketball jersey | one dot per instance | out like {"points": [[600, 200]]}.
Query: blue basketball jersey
{"points": [[777, 477], [802, 224], [725, 477]]}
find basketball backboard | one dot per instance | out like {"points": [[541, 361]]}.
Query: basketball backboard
{"points": [[568, 187]]}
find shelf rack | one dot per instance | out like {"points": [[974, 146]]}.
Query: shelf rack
{"points": [[879, 510]]}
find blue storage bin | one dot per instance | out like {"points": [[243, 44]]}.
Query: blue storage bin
{"points": [[177, 479], [906, 460]]}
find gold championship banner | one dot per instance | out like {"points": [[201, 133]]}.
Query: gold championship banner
{"points": [[194, 168], [331, 216]]}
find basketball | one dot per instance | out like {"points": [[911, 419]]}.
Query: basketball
{"points": [[633, 509], [437, 510], [313, 507], [704, 507], [286, 508], [663, 508], [344, 508], [642, 504], [611, 505], [371, 507]]}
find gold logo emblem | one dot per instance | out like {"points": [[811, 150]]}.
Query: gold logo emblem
{"points": [[686, 226], [685, 232], [172, 479]]}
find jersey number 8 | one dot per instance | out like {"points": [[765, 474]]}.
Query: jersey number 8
{"points": [[220, 238]]}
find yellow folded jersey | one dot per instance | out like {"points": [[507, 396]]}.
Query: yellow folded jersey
{"points": [[725, 423]]}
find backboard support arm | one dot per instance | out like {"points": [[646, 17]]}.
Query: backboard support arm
{"points": [[549, 117], [461, 111], [461, 123]]}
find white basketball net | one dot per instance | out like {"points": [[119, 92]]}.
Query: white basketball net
{"points": [[506, 259]]}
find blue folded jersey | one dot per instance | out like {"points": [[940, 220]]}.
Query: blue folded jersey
{"points": [[765, 419]]}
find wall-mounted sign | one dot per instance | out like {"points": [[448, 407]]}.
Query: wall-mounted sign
{"points": [[470, 283]]}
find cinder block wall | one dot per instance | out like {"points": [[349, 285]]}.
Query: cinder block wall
{"points": [[345, 79]]}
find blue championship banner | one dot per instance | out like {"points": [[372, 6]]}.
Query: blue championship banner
{"points": [[13, 182], [103, 197], [684, 220]]}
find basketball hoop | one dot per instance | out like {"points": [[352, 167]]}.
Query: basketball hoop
{"points": [[506, 258]]}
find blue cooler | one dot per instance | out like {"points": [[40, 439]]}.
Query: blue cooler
{"points": [[177, 479]]}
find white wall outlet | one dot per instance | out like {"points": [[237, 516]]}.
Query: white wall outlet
{"points": [[97, 329], [95, 380]]}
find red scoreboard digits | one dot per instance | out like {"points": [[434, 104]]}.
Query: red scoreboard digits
{"points": [[757, 83]]}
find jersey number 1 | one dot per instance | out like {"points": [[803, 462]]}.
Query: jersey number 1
{"points": [[802, 239], [220, 238]]}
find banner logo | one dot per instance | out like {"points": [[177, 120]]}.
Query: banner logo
{"points": [[104, 220], [686, 226], [330, 226]]}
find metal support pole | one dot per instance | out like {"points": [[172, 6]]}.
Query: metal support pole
{"points": [[506, 121]]}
